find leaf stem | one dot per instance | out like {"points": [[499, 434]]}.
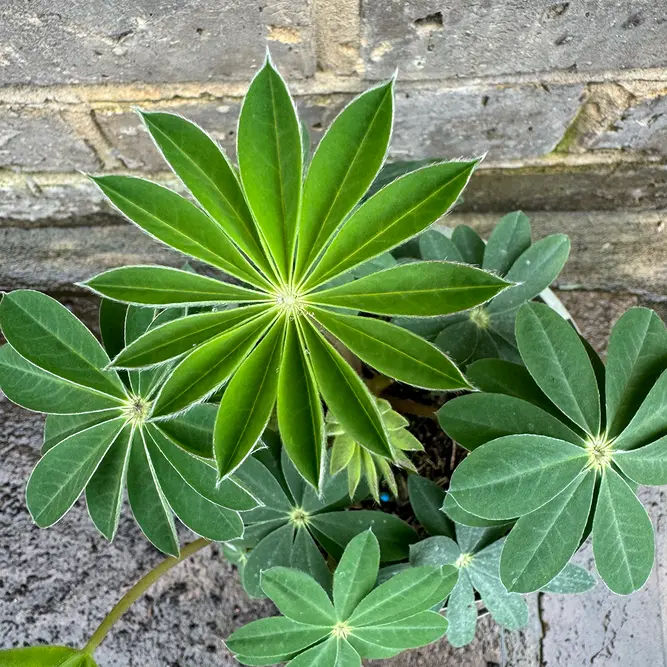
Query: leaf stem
{"points": [[138, 590]]}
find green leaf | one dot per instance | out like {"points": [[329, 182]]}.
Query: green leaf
{"points": [[206, 369], [572, 579], [163, 286], [180, 336], [509, 238], [438, 551], [403, 209], [49, 336], [426, 498], [394, 351], [207, 173], [259, 481], [331, 653], [558, 362], [420, 289], [474, 419], [193, 430], [45, 656], [59, 427], [271, 163], [334, 530], [435, 245], [112, 326], [515, 475], [298, 596], [247, 404], [149, 506], [32, 388], [461, 613], [346, 161], [273, 550], [470, 245], [277, 636], [646, 465], [300, 415], [345, 394], [172, 219], [307, 557], [623, 542], [61, 475], [541, 543], [418, 630], [636, 356], [356, 573], [456, 513], [534, 271], [104, 492], [650, 421]]}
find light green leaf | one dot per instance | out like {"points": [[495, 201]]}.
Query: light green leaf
{"points": [[346, 161], [180, 336], [104, 492], [636, 357], [61, 475], [558, 362], [469, 244], [163, 286], [271, 162], [172, 219], [45, 656], [206, 172], [277, 636], [394, 351], [356, 573], [542, 542], [515, 475], [298, 596], [474, 419], [420, 289], [623, 542], [418, 630], [206, 369], [45, 333], [435, 245], [273, 550], [345, 393], [193, 430], [572, 579], [646, 465], [149, 506], [509, 238], [332, 653], [247, 404], [461, 613], [426, 498], [32, 388], [403, 209], [300, 416]]}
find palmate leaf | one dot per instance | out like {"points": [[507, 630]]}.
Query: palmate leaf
{"points": [[509, 239], [46, 656]]}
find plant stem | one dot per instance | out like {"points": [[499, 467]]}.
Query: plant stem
{"points": [[408, 406], [138, 590]]}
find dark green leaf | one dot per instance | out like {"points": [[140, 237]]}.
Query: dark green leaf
{"points": [[331, 653], [469, 244], [272, 551], [193, 430], [435, 245], [456, 513], [418, 630], [426, 498], [646, 465], [307, 557], [437, 551], [59, 427], [572, 579], [461, 613], [509, 238]]}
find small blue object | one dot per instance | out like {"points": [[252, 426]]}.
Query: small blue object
{"points": [[385, 497]]}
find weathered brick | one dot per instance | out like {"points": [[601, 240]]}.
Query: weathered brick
{"points": [[101, 41], [509, 122], [470, 38], [41, 141]]}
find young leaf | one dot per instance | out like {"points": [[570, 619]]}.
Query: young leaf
{"points": [[623, 542], [162, 286], [419, 289], [300, 415], [346, 394], [172, 219], [469, 244], [247, 404], [426, 498], [271, 162], [509, 238], [515, 475], [343, 167], [61, 475], [558, 362], [356, 573], [206, 172], [646, 465], [394, 351], [401, 210], [541, 543]]}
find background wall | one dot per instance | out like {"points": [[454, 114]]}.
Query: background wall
{"points": [[569, 99]]}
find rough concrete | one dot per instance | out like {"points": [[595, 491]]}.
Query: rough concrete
{"points": [[100, 41], [432, 39]]}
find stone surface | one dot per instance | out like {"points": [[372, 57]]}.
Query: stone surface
{"points": [[472, 38], [38, 141], [101, 41], [507, 121]]}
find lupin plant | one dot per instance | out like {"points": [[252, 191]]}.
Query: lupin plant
{"points": [[238, 395]]}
